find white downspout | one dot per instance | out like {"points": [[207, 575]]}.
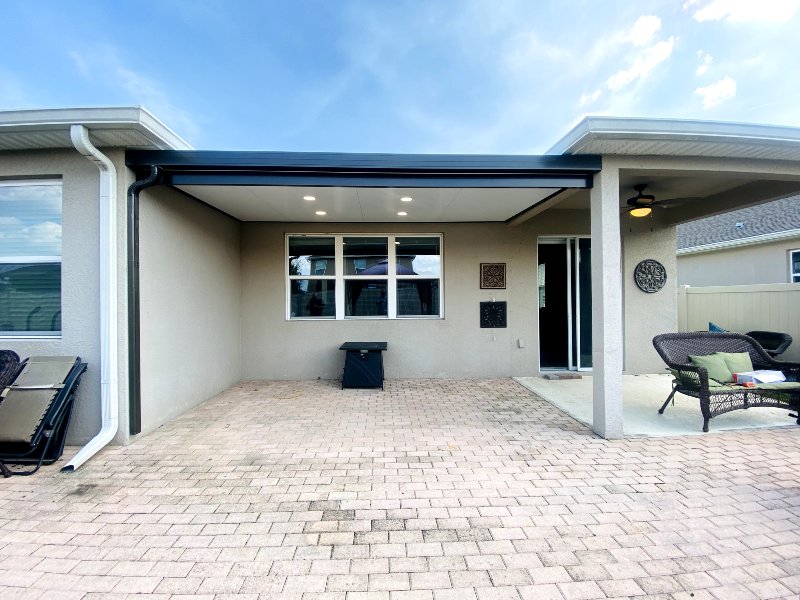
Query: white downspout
{"points": [[109, 378]]}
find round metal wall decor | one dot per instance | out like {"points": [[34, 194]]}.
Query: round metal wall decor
{"points": [[650, 275]]}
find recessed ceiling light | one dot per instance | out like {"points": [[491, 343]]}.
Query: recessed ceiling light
{"points": [[406, 199], [309, 198], [321, 213], [402, 213]]}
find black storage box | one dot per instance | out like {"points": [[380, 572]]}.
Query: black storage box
{"points": [[363, 364]]}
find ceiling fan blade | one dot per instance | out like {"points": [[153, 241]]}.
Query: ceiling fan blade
{"points": [[680, 201]]}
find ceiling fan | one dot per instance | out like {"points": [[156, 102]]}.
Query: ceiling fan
{"points": [[641, 205]]}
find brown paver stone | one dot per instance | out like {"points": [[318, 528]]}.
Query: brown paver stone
{"points": [[430, 489]]}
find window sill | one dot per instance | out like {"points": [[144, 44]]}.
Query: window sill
{"points": [[25, 338], [409, 318]]}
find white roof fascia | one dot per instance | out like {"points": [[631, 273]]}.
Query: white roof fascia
{"points": [[748, 241], [105, 117], [673, 130]]}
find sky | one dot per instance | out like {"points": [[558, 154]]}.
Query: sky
{"points": [[403, 76]]}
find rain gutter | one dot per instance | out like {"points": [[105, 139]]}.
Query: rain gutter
{"points": [[134, 354], [109, 377]]}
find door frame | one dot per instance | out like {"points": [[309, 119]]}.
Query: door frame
{"points": [[573, 316]]}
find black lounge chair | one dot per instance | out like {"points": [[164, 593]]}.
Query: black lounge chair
{"points": [[35, 410], [773, 342]]}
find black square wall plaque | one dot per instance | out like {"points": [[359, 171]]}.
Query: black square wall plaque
{"points": [[493, 315]]}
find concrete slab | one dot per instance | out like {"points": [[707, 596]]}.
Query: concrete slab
{"points": [[642, 397]]}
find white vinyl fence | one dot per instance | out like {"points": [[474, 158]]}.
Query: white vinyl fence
{"points": [[743, 308]]}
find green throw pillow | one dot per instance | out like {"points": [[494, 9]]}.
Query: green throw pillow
{"points": [[737, 362], [689, 381], [715, 365]]}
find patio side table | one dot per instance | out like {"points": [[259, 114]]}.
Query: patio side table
{"points": [[363, 364]]}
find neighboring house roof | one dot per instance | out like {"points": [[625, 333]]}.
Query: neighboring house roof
{"points": [[767, 222], [111, 126]]}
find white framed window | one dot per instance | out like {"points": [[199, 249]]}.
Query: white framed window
{"points": [[364, 276], [30, 258], [794, 266]]}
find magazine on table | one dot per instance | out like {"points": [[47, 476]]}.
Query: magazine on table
{"points": [[761, 376]]}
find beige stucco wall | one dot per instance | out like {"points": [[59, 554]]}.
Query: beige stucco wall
{"points": [[647, 314], [742, 265], [455, 346], [79, 277], [190, 290]]}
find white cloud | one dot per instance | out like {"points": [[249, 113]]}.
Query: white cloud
{"points": [[643, 30], [590, 98], [745, 11], [717, 92], [45, 234], [705, 62], [10, 221], [642, 64], [103, 62], [32, 240]]}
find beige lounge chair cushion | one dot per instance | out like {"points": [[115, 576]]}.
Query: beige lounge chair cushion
{"points": [[27, 399]]}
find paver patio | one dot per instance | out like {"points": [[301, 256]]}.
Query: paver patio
{"points": [[430, 490]]}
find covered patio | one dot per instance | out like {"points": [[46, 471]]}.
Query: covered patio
{"points": [[439, 489], [642, 395], [213, 236]]}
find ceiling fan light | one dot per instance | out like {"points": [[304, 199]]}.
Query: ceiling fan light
{"points": [[640, 211]]}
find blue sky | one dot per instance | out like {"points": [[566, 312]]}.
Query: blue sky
{"points": [[462, 76]]}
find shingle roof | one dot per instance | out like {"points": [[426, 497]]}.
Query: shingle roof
{"points": [[768, 218]]}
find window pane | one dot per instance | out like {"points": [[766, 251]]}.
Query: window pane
{"points": [[30, 297], [365, 255], [796, 262], [30, 220], [311, 256], [365, 298], [418, 297], [418, 256], [313, 298]]}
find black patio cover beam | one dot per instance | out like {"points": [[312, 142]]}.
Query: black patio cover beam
{"points": [[365, 170]]}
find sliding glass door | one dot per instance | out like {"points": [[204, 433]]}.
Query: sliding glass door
{"points": [[565, 303]]}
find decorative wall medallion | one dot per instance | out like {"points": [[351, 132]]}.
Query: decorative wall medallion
{"points": [[493, 276], [650, 275], [493, 315]]}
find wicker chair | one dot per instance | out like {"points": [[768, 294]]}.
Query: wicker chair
{"points": [[774, 343], [692, 380], [9, 365]]}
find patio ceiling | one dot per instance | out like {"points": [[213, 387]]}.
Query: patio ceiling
{"points": [[330, 187], [271, 186], [369, 205], [695, 194], [689, 195]]}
